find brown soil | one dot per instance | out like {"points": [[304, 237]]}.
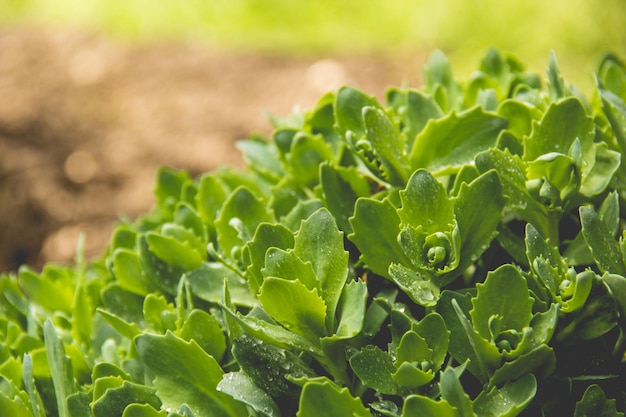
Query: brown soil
{"points": [[85, 122]]}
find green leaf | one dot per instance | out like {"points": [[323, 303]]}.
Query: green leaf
{"points": [[241, 387], [274, 334], [60, 368], [116, 399], [614, 108], [504, 294], [512, 173], [294, 306], [413, 375], [159, 314], [417, 286], [520, 116], [13, 406], [556, 84], [374, 368], [320, 242], [262, 157], [594, 403], [174, 251], [562, 123], [603, 246], [169, 187], [417, 405], [306, 154], [478, 209], [124, 304], [128, 272], [185, 374], [269, 366], [426, 203], [380, 219], [453, 393], [440, 82], [507, 401], [349, 105], [212, 194], [415, 108], [541, 362], [205, 330], [342, 186], [317, 393], [144, 410], [29, 385], [126, 329], [53, 289], [388, 145], [448, 143], [267, 236], [433, 329], [207, 283], [352, 305], [238, 219], [286, 265], [161, 274]]}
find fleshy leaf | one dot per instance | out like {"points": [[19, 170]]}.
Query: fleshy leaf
{"points": [[478, 210], [507, 401], [388, 145], [269, 366], [603, 246], [342, 186], [452, 392], [320, 242], [351, 309], [273, 333], [504, 294], [594, 403], [415, 109], [317, 393], [241, 387], [448, 143], [294, 306], [266, 236], [205, 330], [115, 400], [374, 368], [417, 405], [562, 123], [417, 286], [60, 368], [207, 283], [286, 265], [127, 270], [239, 217], [349, 104], [380, 219], [186, 374], [306, 154], [425, 203]]}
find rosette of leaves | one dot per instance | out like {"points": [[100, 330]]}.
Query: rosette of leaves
{"points": [[428, 238], [415, 355], [497, 332], [308, 301]]}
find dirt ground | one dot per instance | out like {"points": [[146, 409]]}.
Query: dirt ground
{"points": [[85, 122]]}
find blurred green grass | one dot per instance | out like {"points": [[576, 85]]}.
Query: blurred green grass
{"points": [[580, 31]]}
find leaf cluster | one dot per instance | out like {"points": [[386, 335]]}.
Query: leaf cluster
{"points": [[458, 251]]}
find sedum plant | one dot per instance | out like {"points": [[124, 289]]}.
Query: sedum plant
{"points": [[457, 251]]}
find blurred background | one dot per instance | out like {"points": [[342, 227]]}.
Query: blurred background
{"points": [[95, 95]]}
